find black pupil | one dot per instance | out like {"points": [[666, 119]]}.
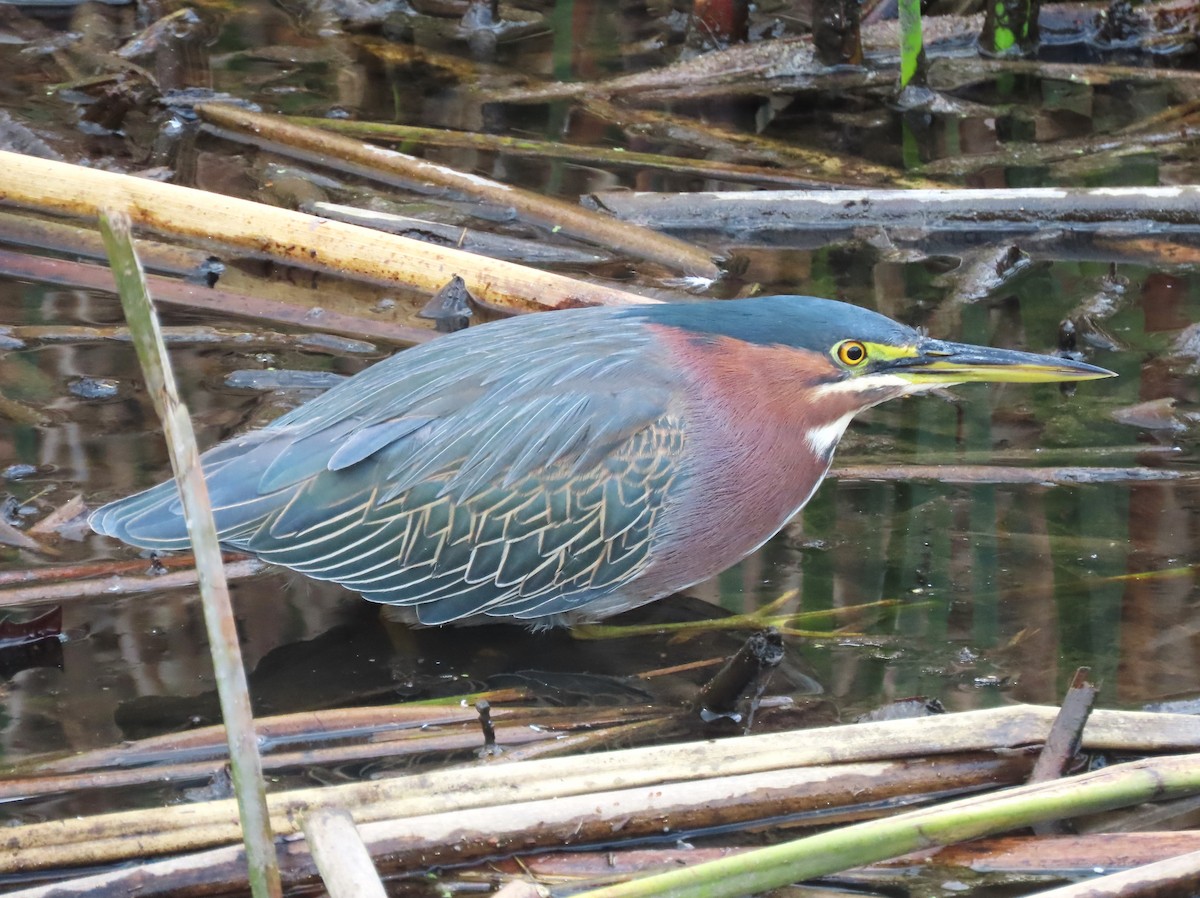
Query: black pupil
{"points": [[854, 353]]}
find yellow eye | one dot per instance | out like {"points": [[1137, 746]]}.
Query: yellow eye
{"points": [[851, 353]]}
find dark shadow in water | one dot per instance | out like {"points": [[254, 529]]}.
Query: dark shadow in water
{"points": [[365, 659]]}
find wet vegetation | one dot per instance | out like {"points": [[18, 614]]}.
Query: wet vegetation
{"points": [[1017, 175]]}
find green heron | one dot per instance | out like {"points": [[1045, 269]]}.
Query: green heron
{"points": [[563, 467]]}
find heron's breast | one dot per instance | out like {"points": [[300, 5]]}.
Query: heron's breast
{"points": [[756, 447]]}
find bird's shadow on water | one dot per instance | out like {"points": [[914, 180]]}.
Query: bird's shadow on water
{"points": [[366, 659]]}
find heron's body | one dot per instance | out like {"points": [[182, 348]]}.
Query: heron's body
{"points": [[559, 467]]}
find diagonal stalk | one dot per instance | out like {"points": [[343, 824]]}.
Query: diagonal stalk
{"points": [[218, 612]]}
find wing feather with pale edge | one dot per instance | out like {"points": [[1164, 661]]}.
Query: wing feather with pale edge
{"points": [[510, 471]]}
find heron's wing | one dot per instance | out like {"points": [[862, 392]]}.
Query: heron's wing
{"points": [[495, 472], [543, 545], [496, 401]]}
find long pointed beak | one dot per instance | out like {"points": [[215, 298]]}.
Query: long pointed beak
{"points": [[937, 361]]}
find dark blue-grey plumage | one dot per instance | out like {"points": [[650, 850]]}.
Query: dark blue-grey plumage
{"points": [[515, 471]]}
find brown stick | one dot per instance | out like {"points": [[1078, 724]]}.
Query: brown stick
{"points": [[68, 511], [116, 585], [293, 237], [955, 72], [549, 212], [1066, 733], [22, 413], [59, 334], [239, 305], [518, 146], [75, 240], [1063, 740], [379, 723], [823, 166], [405, 744], [100, 569], [1174, 877]]}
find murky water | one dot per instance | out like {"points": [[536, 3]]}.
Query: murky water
{"points": [[996, 592], [1001, 591]]}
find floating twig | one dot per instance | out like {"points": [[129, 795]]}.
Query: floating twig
{"points": [[21, 413], [1066, 733], [288, 236], [1170, 876], [745, 673], [717, 170], [117, 585], [169, 291], [1002, 474], [994, 211], [555, 214], [45, 574], [64, 514], [1063, 740], [828, 168]]}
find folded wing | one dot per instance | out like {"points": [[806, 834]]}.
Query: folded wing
{"points": [[511, 472]]}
